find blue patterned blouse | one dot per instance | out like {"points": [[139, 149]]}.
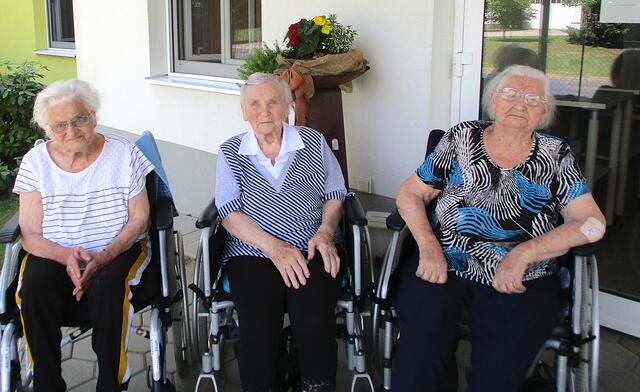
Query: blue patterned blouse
{"points": [[484, 211]]}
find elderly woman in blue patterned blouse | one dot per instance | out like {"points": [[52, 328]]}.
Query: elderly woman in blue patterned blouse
{"points": [[492, 240], [279, 192]]}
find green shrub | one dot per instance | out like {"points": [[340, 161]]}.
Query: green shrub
{"points": [[594, 33], [260, 60], [19, 85]]}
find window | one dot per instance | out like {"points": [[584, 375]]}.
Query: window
{"points": [[212, 37], [60, 24]]}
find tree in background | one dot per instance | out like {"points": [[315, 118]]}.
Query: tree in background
{"points": [[591, 31], [509, 14]]}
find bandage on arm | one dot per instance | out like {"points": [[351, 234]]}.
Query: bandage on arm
{"points": [[584, 223], [593, 229]]}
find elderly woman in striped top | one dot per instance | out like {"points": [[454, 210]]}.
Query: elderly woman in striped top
{"points": [[279, 192], [83, 221]]}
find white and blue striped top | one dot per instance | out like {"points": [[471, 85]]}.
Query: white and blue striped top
{"points": [[289, 207], [87, 209]]}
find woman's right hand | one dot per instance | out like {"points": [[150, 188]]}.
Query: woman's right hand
{"points": [[290, 263], [432, 265], [75, 257]]}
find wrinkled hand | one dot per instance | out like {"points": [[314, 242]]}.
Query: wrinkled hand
{"points": [[290, 263], [76, 257], [509, 274], [323, 242], [432, 265]]}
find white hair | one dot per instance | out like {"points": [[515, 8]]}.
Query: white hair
{"points": [[519, 70], [260, 77], [64, 90]]}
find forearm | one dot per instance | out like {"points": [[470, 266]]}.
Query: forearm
{"points": [[413, 210], [128, 236], [241, 226], [331, 215], [556, 242], [38, 246]]}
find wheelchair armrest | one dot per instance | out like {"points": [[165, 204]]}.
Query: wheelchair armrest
{"points": [[354, 211], [584, 250], [11, 230], [208, 216], [164, 214], [395, 221]]}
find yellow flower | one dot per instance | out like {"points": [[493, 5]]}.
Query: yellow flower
{"points": [[326, 29], [319, 20]]}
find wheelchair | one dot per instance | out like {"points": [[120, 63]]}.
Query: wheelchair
{"points": [[163, 288], [213, 318], [575, 340]]}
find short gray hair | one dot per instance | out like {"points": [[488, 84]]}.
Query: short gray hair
{"points": [[260, 77], [64, 90], [519, 70]]}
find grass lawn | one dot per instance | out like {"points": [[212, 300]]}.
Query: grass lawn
{"points": [[563, 58], [8, 206]]}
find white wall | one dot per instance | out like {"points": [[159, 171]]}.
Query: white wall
{"points": [[120, 42]]}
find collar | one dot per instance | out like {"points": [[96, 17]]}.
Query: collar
{"points": [[291, 141]]}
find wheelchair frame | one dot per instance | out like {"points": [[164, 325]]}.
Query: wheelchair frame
{"points": [[209, 309], [165, 309], [575, 342]]}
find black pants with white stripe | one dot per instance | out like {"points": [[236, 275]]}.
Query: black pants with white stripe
{"points": [[46, 304], [261, 298]]}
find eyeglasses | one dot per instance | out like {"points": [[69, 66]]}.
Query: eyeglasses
{"points": [[79, 121], [511, 94]]}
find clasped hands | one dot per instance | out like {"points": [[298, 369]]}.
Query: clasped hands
{"points": [[293, 266], [81, 268], [432, 267]]}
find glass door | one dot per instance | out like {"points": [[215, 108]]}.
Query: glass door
{"points": [[590, 50]]}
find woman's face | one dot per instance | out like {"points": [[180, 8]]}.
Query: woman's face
{"points": [[516, 113], [78, 133], [264, 107]]}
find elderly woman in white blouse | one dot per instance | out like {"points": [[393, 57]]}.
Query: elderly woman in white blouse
{"points": [[83, 221], [279, 192]]}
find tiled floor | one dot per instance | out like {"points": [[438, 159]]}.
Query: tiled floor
{"points": [[620, 355]]}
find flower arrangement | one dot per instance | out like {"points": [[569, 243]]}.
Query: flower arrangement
{"points": [[320, 35]]}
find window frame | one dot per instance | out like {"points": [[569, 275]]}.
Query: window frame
{"points": [[51, 43], [227, 70]]}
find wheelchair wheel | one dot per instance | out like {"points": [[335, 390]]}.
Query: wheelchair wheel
{"points": [[587, 367], [23, 380], [179, 316]]}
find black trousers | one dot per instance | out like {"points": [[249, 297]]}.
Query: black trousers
{"points": [[507, 330], [262, 298], [46, 304]]}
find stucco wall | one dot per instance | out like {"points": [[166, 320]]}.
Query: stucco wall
{"points": [[23, 30], [119, 43]]}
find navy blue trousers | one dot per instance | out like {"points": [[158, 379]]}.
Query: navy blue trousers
{"points": [[507, 330]]}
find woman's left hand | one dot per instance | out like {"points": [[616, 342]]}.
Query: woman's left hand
{"points": [[324, 243], [90, 270], [509, 274]]}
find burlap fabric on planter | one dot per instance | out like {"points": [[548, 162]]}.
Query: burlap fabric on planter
{"points": [[298, 73]]}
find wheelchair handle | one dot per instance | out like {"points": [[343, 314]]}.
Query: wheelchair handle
{"points": [[208, 216], [11, 230], [354, 211], [584, 250], [395, 221]]}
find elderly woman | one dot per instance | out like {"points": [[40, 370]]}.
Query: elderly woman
{"points": [[83, 221], [492, 240], [279, 192]]}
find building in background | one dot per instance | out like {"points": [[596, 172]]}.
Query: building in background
{"points": [[42, 31]]}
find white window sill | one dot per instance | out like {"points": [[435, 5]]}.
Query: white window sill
{"points": [[217, 86], [56, 52]]}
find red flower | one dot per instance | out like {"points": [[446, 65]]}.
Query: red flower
{"points": [[293, 34]]}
